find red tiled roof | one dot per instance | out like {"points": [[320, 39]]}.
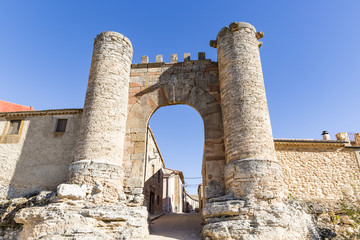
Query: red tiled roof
{"points": [[13, 107]]}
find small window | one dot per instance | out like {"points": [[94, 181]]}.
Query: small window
{"points": [[60, 125], [14, 127], [12, 131]]}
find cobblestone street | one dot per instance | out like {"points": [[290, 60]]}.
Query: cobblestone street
{"points": [[185, 226]]}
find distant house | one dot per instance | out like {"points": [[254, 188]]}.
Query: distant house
{"points": [[191, 203], [173, 193]]}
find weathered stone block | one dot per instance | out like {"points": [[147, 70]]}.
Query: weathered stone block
{"points": [[70, 191], [214, 189], [226, 208]]}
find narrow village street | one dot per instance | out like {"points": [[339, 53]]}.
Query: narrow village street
{"points": [[176, 226]]}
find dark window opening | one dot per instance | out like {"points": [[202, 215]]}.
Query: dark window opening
{"points": [[14, 127], [159, 176], [152, 203], [60, 125], [158, 200]]}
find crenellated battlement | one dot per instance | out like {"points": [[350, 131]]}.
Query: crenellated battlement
{"points": [[173, 58]]}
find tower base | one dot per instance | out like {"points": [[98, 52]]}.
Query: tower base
{"points": [[243, 220]]}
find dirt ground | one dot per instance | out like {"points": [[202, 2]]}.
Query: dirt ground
{"points": [[184, 226]]}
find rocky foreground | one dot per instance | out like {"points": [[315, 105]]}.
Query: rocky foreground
{"points": [[338, 221]]}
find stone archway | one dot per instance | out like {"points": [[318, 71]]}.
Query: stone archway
{"points": [[170, 89]]}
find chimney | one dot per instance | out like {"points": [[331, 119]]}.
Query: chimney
{"points": [[357, 139], [343, 136], [326, 135]]}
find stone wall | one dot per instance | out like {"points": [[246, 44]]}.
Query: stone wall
{"points": [[41, 158], [318, 170]]}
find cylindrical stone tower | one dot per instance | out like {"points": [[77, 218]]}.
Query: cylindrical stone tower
{"points": [[100, 146], [252, 171]]}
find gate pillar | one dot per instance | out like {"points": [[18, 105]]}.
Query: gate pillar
{"points": [[100, 146], [252, 170], [93, 205], [254, 206]]}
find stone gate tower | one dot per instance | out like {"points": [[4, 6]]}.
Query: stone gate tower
{"points": [[252, 169], [100, 147], [244, 187], [254, 205]]}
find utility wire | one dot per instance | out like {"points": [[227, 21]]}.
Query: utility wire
{"points": [[191, 185]]}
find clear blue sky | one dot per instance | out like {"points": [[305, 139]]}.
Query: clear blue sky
{"points": [[310, 55]]}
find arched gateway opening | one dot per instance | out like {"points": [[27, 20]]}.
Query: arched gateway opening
{"points": [[174, 155], [174, 158]]}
